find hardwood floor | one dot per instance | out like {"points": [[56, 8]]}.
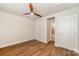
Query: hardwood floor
{"points": [[36, 48]]}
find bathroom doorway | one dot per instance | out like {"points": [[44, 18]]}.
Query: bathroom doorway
{"points": [[51, 29]]}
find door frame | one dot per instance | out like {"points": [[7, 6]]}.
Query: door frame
{"points": [[48, 19]]}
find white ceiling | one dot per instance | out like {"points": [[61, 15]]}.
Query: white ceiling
{"points": [[43, 9]]}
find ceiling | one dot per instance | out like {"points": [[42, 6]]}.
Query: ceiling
{"points": [[43, 9]]}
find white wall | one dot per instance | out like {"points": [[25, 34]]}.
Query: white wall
{"points": [[41, 30], [41, 24], [14, 29], [78, 34]]}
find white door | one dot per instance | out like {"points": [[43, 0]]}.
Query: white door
{"points": [[67, 31]]}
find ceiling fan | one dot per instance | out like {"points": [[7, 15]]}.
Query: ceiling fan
{"points": [[32, 11]]}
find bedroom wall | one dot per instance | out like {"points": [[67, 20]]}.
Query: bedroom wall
{"points": [[41, 30], [14, 29], [78, 34]]}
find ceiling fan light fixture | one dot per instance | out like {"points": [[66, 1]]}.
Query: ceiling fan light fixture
{"points": [[32, 13]]}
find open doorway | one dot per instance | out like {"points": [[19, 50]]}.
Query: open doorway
{"points": [[51, 29]]}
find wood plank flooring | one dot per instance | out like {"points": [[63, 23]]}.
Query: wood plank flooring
{"points": [[36, 48]]}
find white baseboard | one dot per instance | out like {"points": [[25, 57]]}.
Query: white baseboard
{"points": [[76, 50], [5, 45], [41, 41], [13, 43], [32, 39]]}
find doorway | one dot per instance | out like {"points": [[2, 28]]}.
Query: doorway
{"points": [[51, 29]]}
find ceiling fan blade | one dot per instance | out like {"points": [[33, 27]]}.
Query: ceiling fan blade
{"points": [[31, 7], [26, 13], [37, 14]]}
